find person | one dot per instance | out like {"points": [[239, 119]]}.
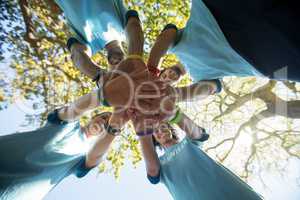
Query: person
{"points": [[33, 163], [254, 41], [173, 74], [93, 23], [186, 171], [96, 25]]}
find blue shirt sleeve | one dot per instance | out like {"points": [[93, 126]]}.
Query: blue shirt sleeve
{"points": [[81, 170], [199, 142], [54, 119], [154, 179], [219, 85]]}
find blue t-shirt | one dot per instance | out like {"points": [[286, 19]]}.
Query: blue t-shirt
{"points": [[33, 163], [189, 173], [93, 20], [204, 50]]}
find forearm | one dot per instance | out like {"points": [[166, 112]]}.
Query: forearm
{"points": [[135, 36], [83, 62], [118, 118], [191, 129], [98, 149], [150, 156], [196, 91], [161, 46], [78, 107]]}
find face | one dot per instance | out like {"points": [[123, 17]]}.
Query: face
{"points": [[96, 125], [115, 58], [164, 136], [169, 76]]}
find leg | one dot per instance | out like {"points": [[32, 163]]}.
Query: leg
{"points": [[134, 33]]}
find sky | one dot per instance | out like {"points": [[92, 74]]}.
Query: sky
{"points": [[133, 183]]}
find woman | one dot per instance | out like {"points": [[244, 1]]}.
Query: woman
{"points": [[95, 25], [233, 38], [173, 74], [33, 163], [185, 169]]}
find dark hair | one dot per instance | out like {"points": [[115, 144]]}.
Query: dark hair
{"points": [[173, 132], [111, 53], [101, 114], [175, 68]]}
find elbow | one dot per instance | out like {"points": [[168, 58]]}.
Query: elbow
{"points": [[218, 86], [153, 175], [154, 171]]}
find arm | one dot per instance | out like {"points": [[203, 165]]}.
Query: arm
{"points": [[191, 129], [80, 55], [134, 34], [150, 156], [98, 149], [161, 46], [148, 149], [104, 140], [78, 107], [199, 90]]}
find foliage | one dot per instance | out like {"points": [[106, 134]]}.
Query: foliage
{"points": [[243, 120]]}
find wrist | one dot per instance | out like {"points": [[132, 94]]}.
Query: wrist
{"points": [[177, 117], [153, 70], [145, 138], [217, 86], [102, 98], [111, 130], [145, 133]]}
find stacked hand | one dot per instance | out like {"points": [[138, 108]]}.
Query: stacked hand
{"points": [[131, 86]]}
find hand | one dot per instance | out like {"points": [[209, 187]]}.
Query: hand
{"points": [[167, 105], [131, 90], [142, 122], [119, 118], [96, 126]]}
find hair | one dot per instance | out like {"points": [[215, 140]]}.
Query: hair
{"points": [[111, 53], [100, 114], [174, 135], [175, 68]]}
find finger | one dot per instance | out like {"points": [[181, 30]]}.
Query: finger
{"points": [[140, 75], [154, 104], [154, 84], [146, 108], [148, 94], [131, 113], [163, 117], [162, 85]]}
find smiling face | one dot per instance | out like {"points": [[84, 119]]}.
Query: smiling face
{"points": [[165, 136], [115, 57], [169, 75], [96, 125], [115, 53]]}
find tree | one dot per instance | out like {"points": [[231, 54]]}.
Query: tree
{"points": [[238, 119]]}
